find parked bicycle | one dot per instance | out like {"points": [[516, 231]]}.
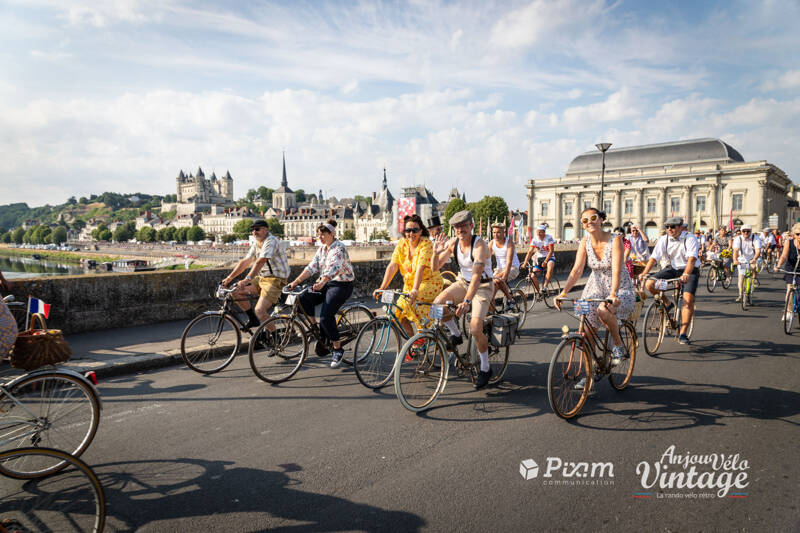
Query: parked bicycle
{"points": [[280, 344], [581, 358], [658, 320], [50, 408], [533, 292], [791, 310]]}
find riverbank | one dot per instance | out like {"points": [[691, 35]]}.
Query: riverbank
{"points": [[54, 255]]}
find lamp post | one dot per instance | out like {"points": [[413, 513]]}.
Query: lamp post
{"points": [[603, 147]]}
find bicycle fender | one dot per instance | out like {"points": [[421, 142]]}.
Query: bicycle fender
{"points": [[61, 371]]}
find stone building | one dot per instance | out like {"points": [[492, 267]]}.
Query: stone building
{"points": [[220, 221], [419, 200], [302, 222], [196, 193], [377, 217], [702, 180], [284, 198]]}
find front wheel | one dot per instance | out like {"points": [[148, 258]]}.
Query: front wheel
{"points": [[621, 374], [711, 279], [553, 290], [210, 342], [420, 371], [726, 280], [789, 314], [569, 378], [375, 352], [526, 286], [277, 349], [746, 288], [655, 324], [349, 321]]}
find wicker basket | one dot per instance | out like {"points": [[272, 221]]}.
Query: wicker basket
{"points": [[37, 347]]}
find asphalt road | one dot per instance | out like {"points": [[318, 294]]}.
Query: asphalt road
{"points": [[178, 451]]}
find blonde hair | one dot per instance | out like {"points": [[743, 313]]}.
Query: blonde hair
{"points": [[796, 228]]}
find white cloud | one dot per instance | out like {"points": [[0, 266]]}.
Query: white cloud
{"points": [[539, 19], [618, 106], [787, 80]]}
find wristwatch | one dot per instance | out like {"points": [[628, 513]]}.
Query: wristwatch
{"points": [[467, 300]]}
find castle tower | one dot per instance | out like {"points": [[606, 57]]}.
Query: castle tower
{"points": [[284, 198], [227, 186], [179, 179]]}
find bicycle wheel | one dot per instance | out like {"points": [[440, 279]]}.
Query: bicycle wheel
{"points": [[20, 313], [726, 280], [553, 290], [375, 352], [53, 410], [71, 500], [569, 365], [350, 320], [517, 307], [420, 372], [620, 375], [711, 279], [277, 349], [498, 362], [210, 342], [655, 325], [526, 286], [789, 314], [746, 288]]}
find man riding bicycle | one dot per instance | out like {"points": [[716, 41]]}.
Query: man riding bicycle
{"points": [[507, 260], [544, 245], [269, 270], [746, 251], [473, 287], [680, 249]]}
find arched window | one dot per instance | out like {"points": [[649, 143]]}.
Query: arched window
{"points": [[651, 230], [568, 232]]}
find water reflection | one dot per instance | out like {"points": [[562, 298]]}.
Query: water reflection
{"points": [[24, 267]]}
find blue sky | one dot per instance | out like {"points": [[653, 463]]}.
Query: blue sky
{"points": [[483, 96]]}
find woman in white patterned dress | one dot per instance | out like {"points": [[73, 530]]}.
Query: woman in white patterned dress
{"points": [[605, 253]]}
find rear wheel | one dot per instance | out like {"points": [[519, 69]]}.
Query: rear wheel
{"points": [[553, 290], [789, 316], [518, 307], [746, 288], [568, 367], [277, 349], [621, 374], [526, 286], [349, 322], [420, 372], [711, 279], [210, 342], [375, 352], [655, 324], [726, 280]]}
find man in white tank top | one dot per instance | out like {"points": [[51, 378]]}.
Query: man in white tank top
{"points": [[507, 260], [472, 290]]}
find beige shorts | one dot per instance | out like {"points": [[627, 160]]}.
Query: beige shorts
{"points": [[512, 274], [270, 287], [480, 303]]}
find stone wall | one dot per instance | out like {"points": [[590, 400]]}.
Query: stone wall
{"points": [[105, 301]]}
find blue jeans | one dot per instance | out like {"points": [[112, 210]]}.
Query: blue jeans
{"points": [[332, 296]]}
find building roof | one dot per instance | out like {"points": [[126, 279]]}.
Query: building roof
{"points": [[670, 153], [421, 193]]}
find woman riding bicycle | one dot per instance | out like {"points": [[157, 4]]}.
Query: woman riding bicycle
{"points": [[605, 253], [334, 285], [789, 257], [412, 257]]}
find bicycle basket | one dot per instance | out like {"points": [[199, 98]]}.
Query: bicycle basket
{"points": [[39, 347], [582, 307]]}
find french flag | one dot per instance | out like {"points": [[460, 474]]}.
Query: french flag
{"points": [[35, 305]]}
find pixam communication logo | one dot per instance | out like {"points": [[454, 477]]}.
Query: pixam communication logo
{"points": [[560, 472]]}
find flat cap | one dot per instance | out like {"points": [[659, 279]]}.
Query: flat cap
{"points": [[674, 221], [461, 217]]}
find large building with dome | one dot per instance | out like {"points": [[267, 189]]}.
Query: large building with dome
{"points": [[706, 181]]}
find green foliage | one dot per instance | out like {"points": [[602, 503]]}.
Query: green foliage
{"points": [[17, 235], [300, 195], [195, 234], [265, 193], [379, 235], [146, 234], [242, 228], [349, 235], [489, 209], [78, 224], [2, 230], [166, 234], [6, 237], [275, 227], [104, 235], [230, 237], [170, 198], [83, 200], [125, 232], [455, 205], [366, 199], [180, 234], [169, 215], [59, 235], [99, 229]]}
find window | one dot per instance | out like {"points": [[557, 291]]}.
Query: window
{"points": [[700, 203], [651, 205], [737, 202], [587, 204], [544, 209], [567, 208], [628, 207], [607, 206], [675, 204]]}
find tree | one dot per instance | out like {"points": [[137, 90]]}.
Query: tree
{"points": [[229, 237], [489, 209], [105, 235], [455, 205], [78, 224], [379, 235], [349, 235], [180, 234], [195, 234], [71, 200], [83, 200], [300, 195], [41, 234], [17, 235], [251, 195], [275, 227], [242, 228], [96, 232], [146, 234], [123, 233], [265, 193], [26, 238], [59, 235], [6, 237], [365, 199]]}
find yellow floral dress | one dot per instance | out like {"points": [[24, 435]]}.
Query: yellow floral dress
{"points": [[432, 282]]}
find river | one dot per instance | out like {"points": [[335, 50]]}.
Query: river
{"points": [[25, 267]]}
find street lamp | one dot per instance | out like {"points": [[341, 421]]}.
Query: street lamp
{"points": [[603, 147]]}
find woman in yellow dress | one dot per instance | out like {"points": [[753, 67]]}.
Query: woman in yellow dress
{"points": [[412, 257]]}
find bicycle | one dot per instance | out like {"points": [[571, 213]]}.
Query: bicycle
{"points": [[280, 345], [791, 310], [52, 408], [575, 364], [534, 291], [378, 342], [747, 287], [657, 319], [70, 500], [717, 274], [421, 369], [18, 310]]}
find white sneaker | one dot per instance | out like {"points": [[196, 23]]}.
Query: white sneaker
{"points": [[336, 360], [617, 355], [787, 316]]}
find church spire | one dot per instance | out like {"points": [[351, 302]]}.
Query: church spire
{"points": [[284, 183], [384, 178]]}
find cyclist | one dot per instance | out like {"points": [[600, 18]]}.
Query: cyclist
{"points": [[333, 287], [605, 254], [620, 232], [639, 244], [721, 243], [507, 261], [473, 287], [412, 257], [544, 244], [269, 270], [680, 250], [768, 243], [791, 258], [746, 251]]}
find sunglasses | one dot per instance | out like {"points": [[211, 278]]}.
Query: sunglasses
{"points": [[592, 218], [745, 231], [258, 228], [797, 234], [671, 226], [412, 230]]}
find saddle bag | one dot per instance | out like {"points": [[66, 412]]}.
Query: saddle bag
{"points": [[503, 330]]}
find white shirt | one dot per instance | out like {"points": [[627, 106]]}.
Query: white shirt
{"points": [[500, 253], [768, 239], [465, 262], [277, 265], [747, 248], [542, 244], [677, 251]]}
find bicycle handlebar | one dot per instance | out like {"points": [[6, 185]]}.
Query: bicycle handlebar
{"points": [[797, 273], [590, 300], [299, 290]]}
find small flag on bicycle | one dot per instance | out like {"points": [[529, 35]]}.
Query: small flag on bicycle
{"points": [[36, 305]]}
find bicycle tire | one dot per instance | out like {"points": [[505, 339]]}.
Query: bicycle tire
{"points": [[711, 280], [528, 290], [375, 352], [726, 280], [421, 377], [277, 349], [788, 314], [349, 321], [210, 342], [20, 313], [518, 306], [620, 375], [653, 328], [569, 364], [71, 500], [549, 295], [745, 292], [67, 411], [498, 361]]}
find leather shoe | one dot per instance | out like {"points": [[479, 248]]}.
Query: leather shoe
{"points": [[483, 379]]}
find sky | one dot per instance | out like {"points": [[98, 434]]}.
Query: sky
{"points": [[120, 95]]}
